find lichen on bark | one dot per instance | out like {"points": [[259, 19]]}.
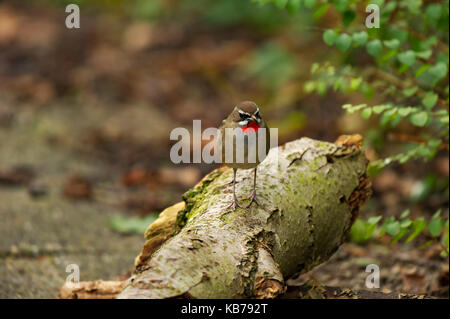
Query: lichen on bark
{"points": [[203, 249]]}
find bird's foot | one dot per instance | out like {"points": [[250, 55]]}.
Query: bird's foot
{"points": [[252, 199], [235, 203]]}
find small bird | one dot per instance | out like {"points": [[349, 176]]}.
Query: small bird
{"points": [[244, 121]]}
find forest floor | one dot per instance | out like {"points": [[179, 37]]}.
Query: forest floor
{"points": [[58, 202], [81, 144]]}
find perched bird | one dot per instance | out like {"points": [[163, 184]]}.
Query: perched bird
{"points": [[245, 122]]}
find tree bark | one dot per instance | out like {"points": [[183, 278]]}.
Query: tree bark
{"points": [[98, 289], [309, 194]]}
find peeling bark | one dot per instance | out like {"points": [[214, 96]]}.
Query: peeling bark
{"points": [[98, 289], [310, 192]]}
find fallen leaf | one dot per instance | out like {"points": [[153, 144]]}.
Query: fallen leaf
{"points": [[19, 175], [413, 281], [78, 187]]}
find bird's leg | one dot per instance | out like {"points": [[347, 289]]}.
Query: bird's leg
{"points": [[235, 202], [230, 182], [252, 197]]}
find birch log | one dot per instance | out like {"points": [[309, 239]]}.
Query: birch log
{"points": [[309, 194]]}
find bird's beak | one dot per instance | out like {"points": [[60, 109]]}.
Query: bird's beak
{"points": [[254, 118]]}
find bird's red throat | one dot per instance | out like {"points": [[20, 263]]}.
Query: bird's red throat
{"points": [[252, 126]]}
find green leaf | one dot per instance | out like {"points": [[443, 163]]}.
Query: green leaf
{"points": [[348, 17], [405, 214], [370, 230], [438, 71], [293, 6], [445, 238], [321, 11], [374, 47], [433, 11], [396, 119], [281, 3], [382, 231], [329, 37], [400, 235], [431, 41], [341, 5], [358, 231], [132, 224], [355, 83], [367, 90], [419, 118], [435, 227], [353, 108], [360, 38], [405, 223], [399, 34], [413, 6], [430, 100], [407, 58], [427, 243], [434, 144], [388, 116], [389, 55], [415, 233], [379, 3], [310, 3], [411, 91], [389, 7], [424, 54], [366, 113], [377, 109], [405, 111], [418, 225], [392, 228], [422, 69], [374, 220], [392, 44], [321, 88], [402, 68], [343, 42], [437, 214]]}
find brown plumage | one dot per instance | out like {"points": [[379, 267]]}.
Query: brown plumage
{"points": [[246, 118]]}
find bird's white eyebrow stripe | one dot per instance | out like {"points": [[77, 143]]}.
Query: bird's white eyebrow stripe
{"points": [[242, 112]]}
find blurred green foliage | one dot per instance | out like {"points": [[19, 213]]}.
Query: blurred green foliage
{"points": [[403, 228], [403, 67], [272, 65], [131, 225], [202, 12], [409, 67], [400, 70], [408, 71]]}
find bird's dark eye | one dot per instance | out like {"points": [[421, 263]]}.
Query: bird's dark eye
{"points": [[243, 116]]}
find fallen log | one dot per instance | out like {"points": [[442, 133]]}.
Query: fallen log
{"points": [[309, 193]]}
